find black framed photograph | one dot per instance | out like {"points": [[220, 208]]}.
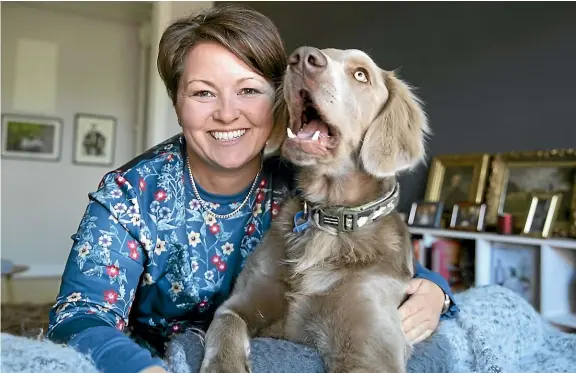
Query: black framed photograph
{"points": [[468, 216], [94, 139], [31, 137], [426, 214]]}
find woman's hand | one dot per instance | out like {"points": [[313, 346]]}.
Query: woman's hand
{"points": [[422, 310]]}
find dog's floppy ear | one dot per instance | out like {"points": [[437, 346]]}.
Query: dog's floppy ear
{"points": [[395, 139], [281, 118]]}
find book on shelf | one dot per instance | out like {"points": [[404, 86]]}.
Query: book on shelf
{"points": [[453, 260]]}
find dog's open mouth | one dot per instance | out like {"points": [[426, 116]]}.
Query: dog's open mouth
{"points": [[313, 134]]}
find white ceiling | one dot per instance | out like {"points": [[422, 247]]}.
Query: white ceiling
{"points": [[133, 12]]}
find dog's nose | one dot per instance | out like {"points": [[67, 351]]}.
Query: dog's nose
{"points": [[308, 59]]}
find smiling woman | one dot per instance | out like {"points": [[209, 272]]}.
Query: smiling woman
{"points": [[224, 86], [225, 110], [165, 236]]}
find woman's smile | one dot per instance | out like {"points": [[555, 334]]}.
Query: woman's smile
{"points": [[228, 137]]}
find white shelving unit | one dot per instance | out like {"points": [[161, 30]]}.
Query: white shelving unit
{"points": [[557, 267]]}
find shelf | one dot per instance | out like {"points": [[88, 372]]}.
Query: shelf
{"points": [[555, 272], [561, 243], [567, 320]]}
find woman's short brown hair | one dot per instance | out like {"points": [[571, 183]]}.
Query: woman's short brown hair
{"points": [[250, 35]]}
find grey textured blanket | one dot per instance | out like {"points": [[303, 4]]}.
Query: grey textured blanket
{"points": [[495, 332]]}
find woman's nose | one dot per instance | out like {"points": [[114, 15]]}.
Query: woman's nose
{"points": [[227, 110]]}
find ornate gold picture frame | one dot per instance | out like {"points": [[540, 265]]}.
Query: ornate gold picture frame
{"points": [[516, 176], [457, 178]]}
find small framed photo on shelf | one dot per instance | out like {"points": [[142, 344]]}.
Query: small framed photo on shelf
{"points": [[468, 216], [94, 139], [426, 214], [516, 267], [31, 137], [542, 214]]}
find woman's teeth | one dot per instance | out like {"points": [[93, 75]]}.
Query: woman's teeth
{"points": [[227, 136]]}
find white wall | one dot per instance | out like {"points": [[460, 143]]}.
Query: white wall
{"points": [[42, 202]]}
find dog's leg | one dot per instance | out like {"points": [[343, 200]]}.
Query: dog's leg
{"points": [[227, 345], [256, 303]]}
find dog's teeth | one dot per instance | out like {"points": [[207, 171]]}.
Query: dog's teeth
{"points": [[316, 135], [290, 133]]}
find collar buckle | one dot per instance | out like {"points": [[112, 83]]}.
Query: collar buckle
{"points": [[342, 220]]}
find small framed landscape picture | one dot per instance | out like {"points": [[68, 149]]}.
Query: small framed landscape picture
{"points": [[468, 216], [31, 137], [426, 214], [94, 139], [542, 214]]}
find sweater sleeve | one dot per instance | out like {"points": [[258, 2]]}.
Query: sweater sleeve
{"points": [[100, 280], [436, 278], [113, 351]]}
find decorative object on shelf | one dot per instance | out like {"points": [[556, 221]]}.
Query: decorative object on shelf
{"points": [[505, 224], [542, 214], [468, 216], [516, 267], [31, 137], [426, 214], [94, 139], [516, 176], [457, 178]]}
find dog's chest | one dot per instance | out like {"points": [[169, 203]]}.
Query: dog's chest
{"points": [[317, 281]]}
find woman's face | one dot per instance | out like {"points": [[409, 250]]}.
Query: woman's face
{"points": [[224, 107]]}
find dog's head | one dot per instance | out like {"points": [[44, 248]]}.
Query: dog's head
{"points": [[346, 112]]}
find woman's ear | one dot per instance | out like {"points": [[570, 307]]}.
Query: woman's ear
{"points": [[395, 140], [278, 127]]}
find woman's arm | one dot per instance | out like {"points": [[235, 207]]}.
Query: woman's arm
{"points": [[100, 281]]}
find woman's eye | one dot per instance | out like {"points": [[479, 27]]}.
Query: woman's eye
{"points": [[202, 94], [249, 91]]}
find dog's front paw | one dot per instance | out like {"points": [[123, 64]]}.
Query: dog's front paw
{"points": [[226, 364]]}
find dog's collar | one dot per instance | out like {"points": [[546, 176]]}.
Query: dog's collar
{"points": [[348, 219]]}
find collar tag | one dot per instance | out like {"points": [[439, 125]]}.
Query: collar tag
{"points": [[301, 221]]}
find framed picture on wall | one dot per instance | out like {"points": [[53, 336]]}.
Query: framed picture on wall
{"points": [[94, 139], [31, 137]]}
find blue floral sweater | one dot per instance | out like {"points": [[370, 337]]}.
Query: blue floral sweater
{"points": [[147, 261]]}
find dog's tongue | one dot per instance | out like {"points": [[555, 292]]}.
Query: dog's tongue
{"points": [[313, 126]]}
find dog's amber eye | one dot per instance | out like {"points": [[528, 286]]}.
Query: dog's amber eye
{"points": [[361, 75]]}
